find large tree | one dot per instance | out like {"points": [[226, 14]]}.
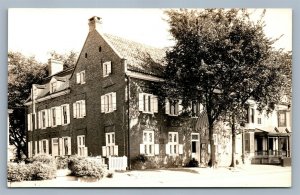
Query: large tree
{"points": [[218, 56], [22, 73]]}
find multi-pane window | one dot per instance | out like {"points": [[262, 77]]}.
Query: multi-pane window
{"points": [[80, 77], [65, 145], [81, 149], [108, 102], [106, 68], [173, 108], [197, 108], [173, 142], [44, 119], [53, 87], [79, 109], [65, 114], [252, 115], [43, 146], [281, 119], [110, 148], [54, 149], [259, 119], [148, 103], [148, 142], [53, 114]]}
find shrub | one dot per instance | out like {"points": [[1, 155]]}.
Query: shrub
{"points": [[18, 172], [62, 162], [83, 167], [39, 167], [42, 171], [193, 163], [43, 158]]}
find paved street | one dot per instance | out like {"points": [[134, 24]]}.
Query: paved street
{"points": [[246, 176]]}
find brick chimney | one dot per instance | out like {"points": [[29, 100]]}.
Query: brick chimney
{"points": [[55, 66], [95, 23]]}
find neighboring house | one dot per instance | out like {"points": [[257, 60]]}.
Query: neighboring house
{"points": [[106, 106], [268, 136]]}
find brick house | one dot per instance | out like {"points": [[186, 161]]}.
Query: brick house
{"points": [[106, 106]]}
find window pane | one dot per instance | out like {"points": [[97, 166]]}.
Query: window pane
{"points": [[112, 138], [150, 149], [170, 137], [108, 138], [145, 137], [149, 103], [175, 137], [150, 137], [175, 151]]}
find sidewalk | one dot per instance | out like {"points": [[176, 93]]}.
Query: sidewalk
{"points": [[244, 176]]}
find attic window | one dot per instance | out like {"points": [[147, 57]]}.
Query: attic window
{"points": [[53, 87], [100, 48], [85, 55]]}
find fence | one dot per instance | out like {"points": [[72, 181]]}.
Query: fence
{"points": [[117, 163]]}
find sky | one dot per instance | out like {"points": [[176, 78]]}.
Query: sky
{"points": [[36, 32]]}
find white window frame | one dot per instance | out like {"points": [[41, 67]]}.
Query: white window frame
{"points": [[79, 109], [110, 148], [63, 146], [52, 144], [67, 107], [196, 109], [173, 108], [148, 103], [172, 148], [42, 149], [106, 68], [53, 117], [282, 122], [80, 77], [109, 102], [44, 119], [81, 148], [53, 87], [148, 143]]}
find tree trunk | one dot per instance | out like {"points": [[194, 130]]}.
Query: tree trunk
{"points": [[212, 147], [233, 135]]}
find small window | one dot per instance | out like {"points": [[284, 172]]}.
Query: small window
{"points": [[173, 144], [100, 49], [85, 55], [79, 109], [53, 87], [173, 108], [80, 77], [106, 68]]}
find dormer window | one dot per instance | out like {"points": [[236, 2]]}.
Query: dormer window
{"points": [[106, 68], [53, 87]]}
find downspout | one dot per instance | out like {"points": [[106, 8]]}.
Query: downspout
{"points": [[128, 101], [127, 78]]}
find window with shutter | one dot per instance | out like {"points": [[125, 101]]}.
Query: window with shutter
{"points": [[108, 102], [81, 145], [53, 117], [173, 146], [148, 103], [111, 147], [66, 145], [65, 114], [148, 142]]}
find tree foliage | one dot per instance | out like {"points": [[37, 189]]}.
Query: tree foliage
{"points": [[222, 58], [22, 73], [69, 59]]}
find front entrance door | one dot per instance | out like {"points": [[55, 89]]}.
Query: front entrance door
{"points": [[195, 142]]}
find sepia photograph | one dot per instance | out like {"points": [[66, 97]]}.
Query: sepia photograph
{"points": [[149, 98]]}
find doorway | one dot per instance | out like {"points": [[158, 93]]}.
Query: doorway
{"points": [[195, 146]]}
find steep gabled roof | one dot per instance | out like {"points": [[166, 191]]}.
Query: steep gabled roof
{"points": [[140, 57]]}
